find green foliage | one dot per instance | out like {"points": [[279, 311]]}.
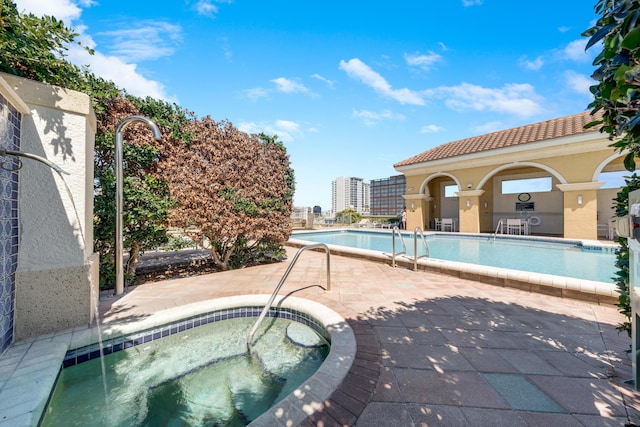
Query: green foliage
{"points": [[348, 216], [245, 220], [34, 47], [268, 141], [170, 117], [146, 199], [617, 97], [621, 206]]}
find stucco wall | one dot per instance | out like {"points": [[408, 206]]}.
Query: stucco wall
{"points": [[574, 160], [56, 264]]}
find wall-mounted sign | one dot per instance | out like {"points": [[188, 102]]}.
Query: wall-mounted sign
{"points": [[528, 206]]}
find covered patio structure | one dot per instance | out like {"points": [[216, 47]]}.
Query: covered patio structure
{"points": [[549, 174]]}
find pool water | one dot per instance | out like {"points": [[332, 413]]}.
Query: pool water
{"points": [[200, 377], [525, 254]]}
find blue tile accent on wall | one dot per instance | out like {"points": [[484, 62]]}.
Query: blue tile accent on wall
{"points": [[10, 122], [84, 354]]}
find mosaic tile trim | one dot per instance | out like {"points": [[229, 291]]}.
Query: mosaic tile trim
{"points": [[10, 121], [572, 244], [90, 352]]}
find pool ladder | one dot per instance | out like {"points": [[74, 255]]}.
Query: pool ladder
{"points": [[415, 247], [395, 231], [498, 227], [404, 247], [267, 307]]}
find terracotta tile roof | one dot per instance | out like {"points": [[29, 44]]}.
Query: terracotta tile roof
{"points": [[550, 129]]}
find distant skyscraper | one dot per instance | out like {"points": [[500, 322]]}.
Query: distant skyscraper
{"points": [[349, 193], [386, 195]]}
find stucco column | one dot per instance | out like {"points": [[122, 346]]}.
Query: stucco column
{"points": [[417, 207], [469, 210], [580, 213]]}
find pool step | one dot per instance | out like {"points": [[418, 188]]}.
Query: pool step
{"points": [[295, 357]]}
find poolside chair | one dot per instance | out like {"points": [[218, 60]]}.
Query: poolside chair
{"points": [[514, 226], [446, 224], [363, 223], [606, 230]]}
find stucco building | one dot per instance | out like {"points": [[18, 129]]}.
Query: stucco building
{"points": [[468, 179]]}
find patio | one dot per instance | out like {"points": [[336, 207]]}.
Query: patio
{"points": [[439, 350]]}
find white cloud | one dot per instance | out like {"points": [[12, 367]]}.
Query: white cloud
{"points": [[371, 118], [256, 93], [322, 79], [144, 40], [289, 86], [517, 99], [534, 65], [579, 83], [225, 48], [467, 3], [206, 8], [358, 70], [288, 126], [286, 130], [422, 61], [490, 127], [575, 50], [65, 10], [122, 74], [431, 129]]}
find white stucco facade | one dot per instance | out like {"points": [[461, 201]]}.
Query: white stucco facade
{"points": [[57, 274]]}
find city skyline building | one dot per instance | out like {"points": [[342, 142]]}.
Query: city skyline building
{"points": [[349, 193], [386, 195]]}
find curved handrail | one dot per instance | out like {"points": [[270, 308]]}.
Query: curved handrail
{"points": [[415, 247], [266, 308], [52, 165], [393, 245]]}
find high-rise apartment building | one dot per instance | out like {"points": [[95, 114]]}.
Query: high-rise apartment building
{"points": [[386, 195], [349, 193]]}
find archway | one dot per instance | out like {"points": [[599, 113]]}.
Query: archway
{"points": [[525, 190]]}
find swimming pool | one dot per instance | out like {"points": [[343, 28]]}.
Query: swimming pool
{"points": [[198, 376], [551, 256], [28, 402]]}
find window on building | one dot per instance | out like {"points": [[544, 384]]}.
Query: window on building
{"points": [[450, 190], [527, 185]]}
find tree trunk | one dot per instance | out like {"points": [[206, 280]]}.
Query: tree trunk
{"points": [[134, 260]]}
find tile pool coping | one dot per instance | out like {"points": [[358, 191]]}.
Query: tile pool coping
{"points": [[29, 369], [560, 286]]}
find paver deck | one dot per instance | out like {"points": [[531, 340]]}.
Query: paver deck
{"points": [[438, 350]]}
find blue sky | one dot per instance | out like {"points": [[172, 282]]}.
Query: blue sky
{"points": [[350, 87]]}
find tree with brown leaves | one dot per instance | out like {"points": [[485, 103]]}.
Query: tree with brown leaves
{"points": [[235, 189]]}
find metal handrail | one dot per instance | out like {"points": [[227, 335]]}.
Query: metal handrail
{"points": [[393, 245], [415, 247], [266, 308], [498, 227]]}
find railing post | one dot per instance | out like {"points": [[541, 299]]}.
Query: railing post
{"points": [[393, 247], [266, 308], [328, 290], [415, 248]]}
